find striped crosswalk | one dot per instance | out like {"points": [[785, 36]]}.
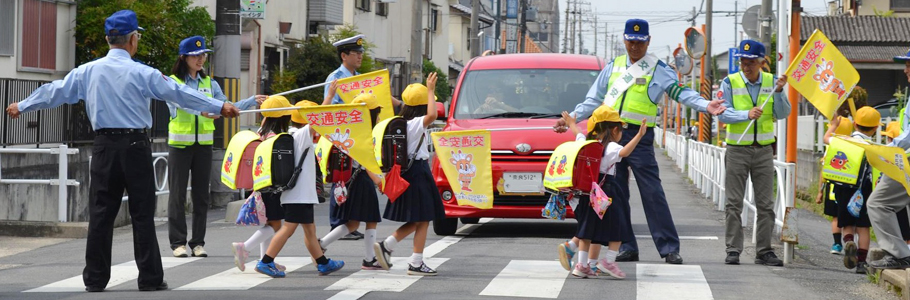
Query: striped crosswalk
{"points": [[120, 274]]}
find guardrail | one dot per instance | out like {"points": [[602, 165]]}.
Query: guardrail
{"points": [[704, 165], [61, 181]]}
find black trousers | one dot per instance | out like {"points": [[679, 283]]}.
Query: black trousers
{"points": [[195, 159], [122, 162]]}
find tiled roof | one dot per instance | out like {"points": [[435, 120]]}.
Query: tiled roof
{"points": [[861, 29], [871, 53], [467, 9]]}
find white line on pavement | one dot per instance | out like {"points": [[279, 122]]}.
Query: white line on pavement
{"points": [[528, 279], [119, 274], [657, 281], [233, 279], [684, 237]]}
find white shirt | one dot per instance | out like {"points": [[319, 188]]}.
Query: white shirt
{"points": [[416, 131], [610, 158], [305, 190]]}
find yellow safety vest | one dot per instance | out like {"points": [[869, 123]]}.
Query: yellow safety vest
{"points": [[186, 129], [763, 130], [900, 118], [843, 162], [635, 103]]}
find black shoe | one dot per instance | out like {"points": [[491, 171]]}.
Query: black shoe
{"points": [[160, 287], [627, 256], [94, 289], [732, 258], [353, 236], [674, 258], [861, 268], [422, 270], [850, 258], [383, 255], [891, 262], [769, 259], [357, 234]]}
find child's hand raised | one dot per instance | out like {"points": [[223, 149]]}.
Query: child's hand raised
{"points": [[570, 121], [431, 81], [643, 128]]}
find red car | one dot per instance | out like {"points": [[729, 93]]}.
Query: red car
{"points": [[514, 91]]}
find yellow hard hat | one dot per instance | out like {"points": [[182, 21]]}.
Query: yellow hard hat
{"points": [[298, 117], [276, 102], [893, 130], [868, 117], [367, 98], [415, 94], [603, 113]]}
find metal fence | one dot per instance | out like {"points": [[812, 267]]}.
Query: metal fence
{"points": [[67, 124], [61, 181]]}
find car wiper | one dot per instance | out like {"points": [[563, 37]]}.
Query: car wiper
{"points": [[511, 114], [541, 116]]}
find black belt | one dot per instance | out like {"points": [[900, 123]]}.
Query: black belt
{"points": [[753, 145], [120, 131]]}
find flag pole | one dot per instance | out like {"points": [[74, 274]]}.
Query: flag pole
{"points": [[753, 120], [282, 109], [302, 89]]}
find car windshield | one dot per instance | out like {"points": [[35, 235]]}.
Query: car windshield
{"points": [[522, 93]]}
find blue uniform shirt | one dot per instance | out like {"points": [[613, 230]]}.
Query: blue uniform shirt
{"points": [[339, 73], [217, 93], [903, 140], [117, 92], [781, 107], [662, 80]]}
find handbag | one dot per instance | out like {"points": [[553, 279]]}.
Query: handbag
{"points": [[856, 201], [394, 184], [252, 212], [600, 202], [339, 193], [555, 209]]}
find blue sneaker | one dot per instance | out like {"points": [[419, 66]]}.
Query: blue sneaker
{"points": [[565, 255], [837, 249], [269, 269], [328, 268]]}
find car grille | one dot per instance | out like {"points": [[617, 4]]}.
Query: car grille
{"points": [[511, 200]]}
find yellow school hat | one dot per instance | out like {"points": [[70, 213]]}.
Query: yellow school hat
{"points": [[868, 117], [276, 102], [845, 127], [893, 130], [603, 113], [368, 98], [298, 117], [415, 94]]}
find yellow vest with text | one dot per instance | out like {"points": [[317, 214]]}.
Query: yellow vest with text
{"points": [[763, 129], [634, 104], [843, 162], [186, 129]]}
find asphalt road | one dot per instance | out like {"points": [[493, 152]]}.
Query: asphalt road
{"points": [[496, 259]]}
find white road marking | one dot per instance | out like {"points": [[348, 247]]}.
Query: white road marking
{"points": [[120, 274], [684, 282], [528, 279], [684, 237], [233, 279]]}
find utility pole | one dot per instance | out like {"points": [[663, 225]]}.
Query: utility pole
{"points": [[735, 25], [475, 28], [227, 62], [595, 32], [708, 75], [498, 19], [606, 40], [416, 43], [565, 35], [522, 26], [574, 20], [766, 23]]}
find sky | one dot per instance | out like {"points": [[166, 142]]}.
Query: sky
{"points": [[668, 20]]}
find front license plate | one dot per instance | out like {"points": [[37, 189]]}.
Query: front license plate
{"points": [[522, 182]]}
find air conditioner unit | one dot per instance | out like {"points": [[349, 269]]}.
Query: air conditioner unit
{"points": [[386, 1]]}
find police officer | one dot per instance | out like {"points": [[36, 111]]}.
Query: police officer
{"points": [[350, 52], [117, 92], [890, 196], [634, 92], [190, 139], [744, 94]]}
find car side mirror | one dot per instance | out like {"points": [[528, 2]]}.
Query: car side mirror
{"points": [[441, 112]]}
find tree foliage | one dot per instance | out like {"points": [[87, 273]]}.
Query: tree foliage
{"points": [[443, 91], [312, 61], [166, 23]]}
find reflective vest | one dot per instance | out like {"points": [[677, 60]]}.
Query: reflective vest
{"points": [[900, 118], [635, 103], [186, 129], [763, 129], [843, 162]]}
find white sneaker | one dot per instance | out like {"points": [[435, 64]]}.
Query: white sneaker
{"points": [[180, 252], [240, 255], [198, 251]]}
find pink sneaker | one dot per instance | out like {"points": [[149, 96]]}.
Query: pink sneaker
{"points": [[610, 268], [583, 271], [240, 255]]}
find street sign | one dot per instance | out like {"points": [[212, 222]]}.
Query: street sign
{"points": [[511, 46], [512, 9], [511, 32], [732, 61], [252, 9]]}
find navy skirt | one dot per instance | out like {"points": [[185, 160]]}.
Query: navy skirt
{"points": [[362, 204], [421, 201], [590, 226]]}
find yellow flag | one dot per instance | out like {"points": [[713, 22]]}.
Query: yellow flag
{"points": [[376, 83], [322, 154], [822, 74], [465, 159], [891, 161], [348, 128]]}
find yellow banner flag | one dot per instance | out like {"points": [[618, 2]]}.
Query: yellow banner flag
{"points": [[822, 74], [465, 159], [348, 128], [322, 154], [891, 161], [376, 82]]}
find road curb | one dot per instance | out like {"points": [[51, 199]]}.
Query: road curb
{"points": [[895, 281], [74, 230]]}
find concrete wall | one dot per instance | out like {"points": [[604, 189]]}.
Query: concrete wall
{"points": [[869, 6], [808, 169]]}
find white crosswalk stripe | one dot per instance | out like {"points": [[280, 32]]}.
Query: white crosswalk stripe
{"points": [[656, 281], [394, 280], [234, 279], [120, 274], [528, 279]]}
